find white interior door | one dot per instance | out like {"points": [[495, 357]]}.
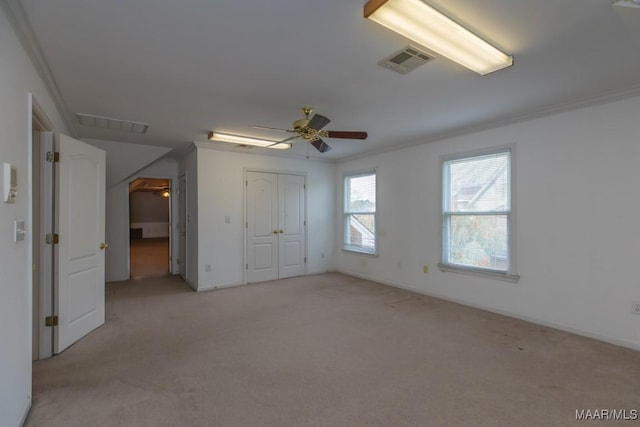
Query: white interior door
{"points": [[275, 226], [182, 226], [80, 215], [291, 245], [262, 226]]}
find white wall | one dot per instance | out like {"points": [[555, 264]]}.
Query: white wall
{"points": [[221, 193], [125, 159], [578, 234], [18, 78], [117, 219]]}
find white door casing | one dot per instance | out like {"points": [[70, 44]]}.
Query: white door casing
{"points": [[80, 217], [276, 231], [182, 225]]}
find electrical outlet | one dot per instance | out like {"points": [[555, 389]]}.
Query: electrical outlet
{"points": [[425, 269], [207, 268], [399, 264], [322, 255], [635, 307]]}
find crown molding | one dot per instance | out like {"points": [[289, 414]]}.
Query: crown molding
{"points": [[576, 104], [22, 27]]}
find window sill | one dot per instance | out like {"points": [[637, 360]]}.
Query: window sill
{"points": [[359, 252], [505, 277]]}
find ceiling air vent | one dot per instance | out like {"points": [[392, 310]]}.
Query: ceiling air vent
{"points": [[408, 59], [110, 123]]}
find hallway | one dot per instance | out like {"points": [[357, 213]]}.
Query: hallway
{"points": [[149, 257]]}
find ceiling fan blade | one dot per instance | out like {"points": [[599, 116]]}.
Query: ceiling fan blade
{"points": [[284, 141], [288, 139], [320, 145], [346, 134], [317, 122], [270, 128]]}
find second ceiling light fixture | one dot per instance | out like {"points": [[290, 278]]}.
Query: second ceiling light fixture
{"points": [[423, 24]]}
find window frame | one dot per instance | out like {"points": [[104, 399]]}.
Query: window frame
{"points": [[510, 274], [346, 214]]}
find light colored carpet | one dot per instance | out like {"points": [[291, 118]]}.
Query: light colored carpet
{"points": [[327, 350]]}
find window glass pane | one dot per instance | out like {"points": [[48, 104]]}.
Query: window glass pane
{"points": [[478, 184], [360, 232], [360, 213], [361, 195], [478, 241]]}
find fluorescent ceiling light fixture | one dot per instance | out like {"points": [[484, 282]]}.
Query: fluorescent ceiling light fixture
{"points": [[421, 23], [247, 140], [627, 3]]}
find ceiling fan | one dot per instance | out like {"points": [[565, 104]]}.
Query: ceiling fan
{"points": [[311, 130]]}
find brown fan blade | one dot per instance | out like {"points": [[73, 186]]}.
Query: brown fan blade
{"points": [[270, 128], [346, 134], [317, 122], [320, 145]]}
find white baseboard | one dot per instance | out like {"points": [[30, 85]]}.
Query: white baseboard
{"points": [[611, 340], [26, 412], [214, 287]]}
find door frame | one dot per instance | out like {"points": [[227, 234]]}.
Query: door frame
{"points": [[246, 217], [172, 216], [183, 242], [43, 290]]}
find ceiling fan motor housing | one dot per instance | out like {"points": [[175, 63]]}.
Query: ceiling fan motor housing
{"points": [[299, 125]]}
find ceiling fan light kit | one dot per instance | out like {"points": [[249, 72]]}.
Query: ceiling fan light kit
{"points": [[246, 140], [428, 27]]}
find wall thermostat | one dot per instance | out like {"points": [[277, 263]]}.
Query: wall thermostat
{"points": [[10, 183]]}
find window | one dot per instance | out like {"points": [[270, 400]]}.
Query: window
{"points": [[476, 214], [360, 213]]}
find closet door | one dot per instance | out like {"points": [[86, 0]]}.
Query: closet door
{"points": [[262, 226], [276, 229], [291, 245]]}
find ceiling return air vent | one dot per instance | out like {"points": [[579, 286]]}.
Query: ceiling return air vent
{"points": [[110, 123], [405, 60]]}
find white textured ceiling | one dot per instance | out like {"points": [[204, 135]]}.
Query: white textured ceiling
{"points": [[192, 66]]}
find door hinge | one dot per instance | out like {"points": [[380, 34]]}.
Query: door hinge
{"points": [[246, 224], [246, 266], [52, 239], [53, 156], [51, 321], [246, 183], [305, 223], [304, 186], [305, 259]]}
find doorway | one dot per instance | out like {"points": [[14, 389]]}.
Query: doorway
{"points": [[276, 226], [67, 200], [150, 227]]}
